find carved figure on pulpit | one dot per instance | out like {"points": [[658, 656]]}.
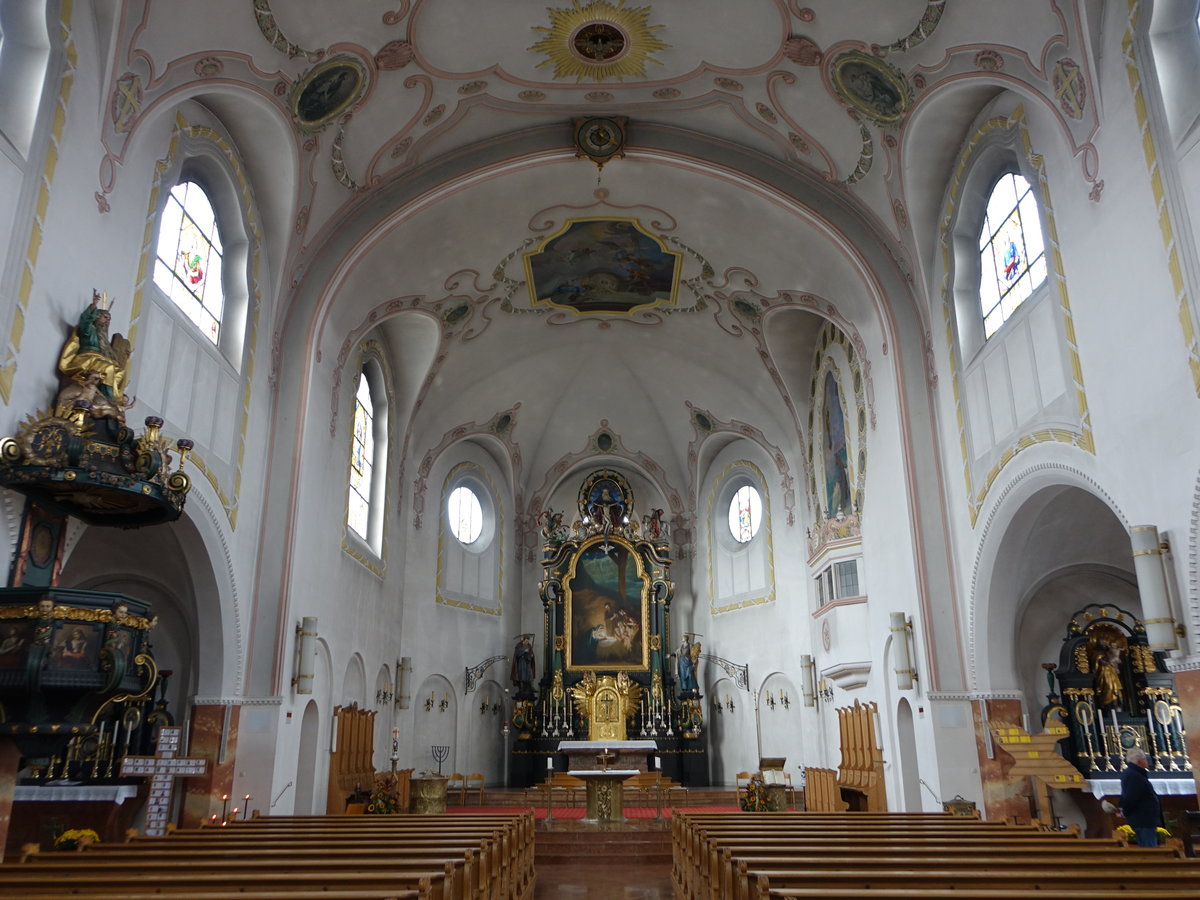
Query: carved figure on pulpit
{"points": [[90, 357]]}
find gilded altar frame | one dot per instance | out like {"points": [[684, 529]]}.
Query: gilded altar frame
{"points": [[607, 607]]}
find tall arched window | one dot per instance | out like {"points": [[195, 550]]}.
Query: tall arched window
{"points": [[739, 544], [368, 445], [1012, 254], [362, 459], [189, 262]]}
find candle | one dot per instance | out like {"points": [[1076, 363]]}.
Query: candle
{"points": [[1149, 723], [549, 763]]}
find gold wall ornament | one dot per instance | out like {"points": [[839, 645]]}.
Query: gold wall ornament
{"points": [[605, 703], [598, 40], [600, 138]]}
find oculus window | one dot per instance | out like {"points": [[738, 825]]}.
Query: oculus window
{"points": [[465, 515], [745, 513], [188, 265], [1012, 255]]}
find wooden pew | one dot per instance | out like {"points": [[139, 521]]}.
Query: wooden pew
{"points": [[755, 876], [515, 832], [1014, 883], [470, 880], [754, 857], [189, 883], [479, 857]]}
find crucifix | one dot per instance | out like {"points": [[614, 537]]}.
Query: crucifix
{"points": [[163, 768]]}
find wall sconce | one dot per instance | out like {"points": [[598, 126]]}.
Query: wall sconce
{"points": [[306, 654], [403, 673], [902, 633], [729, 703], [783, 698], [496, 707], [383, 696], [430, 703], [808, 670], [770, 699], [825, 691], [483, 707], [717, 707], [444, 703]]}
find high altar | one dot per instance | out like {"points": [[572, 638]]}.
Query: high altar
{"points": [[607, 674]]}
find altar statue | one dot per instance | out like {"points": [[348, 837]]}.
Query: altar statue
{"points": [[689, 655], [1107, 682], [524, 666]]}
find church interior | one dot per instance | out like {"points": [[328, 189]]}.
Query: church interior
{"points": [[399, 389]]}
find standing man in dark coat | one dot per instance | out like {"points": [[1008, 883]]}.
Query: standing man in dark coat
{"points": [[1139, 802]]}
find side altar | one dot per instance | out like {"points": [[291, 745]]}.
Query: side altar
{"points": [[607, 674]]}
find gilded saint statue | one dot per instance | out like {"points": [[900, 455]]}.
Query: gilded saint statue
{"points": [[95, 367], [1110, 692]]}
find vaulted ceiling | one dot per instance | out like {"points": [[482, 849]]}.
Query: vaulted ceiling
{"points": [[406, 155]]}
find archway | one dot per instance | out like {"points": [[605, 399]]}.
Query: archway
{"points": [[306, 764]]}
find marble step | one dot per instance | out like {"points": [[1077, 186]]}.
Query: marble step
{"points": [[632, 846]]}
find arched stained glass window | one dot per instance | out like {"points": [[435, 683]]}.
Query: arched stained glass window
{"points": [[465, 514], [189, 258], [362, 460], [745, 513], [1012, 257]]}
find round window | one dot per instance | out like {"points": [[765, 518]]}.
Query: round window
{"points": [[465, 514], [745, 513]]}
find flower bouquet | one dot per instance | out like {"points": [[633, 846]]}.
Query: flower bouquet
{"points": [[76, 839], [1125, 833]]}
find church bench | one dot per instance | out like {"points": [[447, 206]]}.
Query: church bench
{"points": [[694, 847], [134, 893], [704, 865], [1018, 880], [731, 859], [1061, 893], [514, 833], [430, 883], [738, 879], [511, 855], [471, 879], [697, 857], [483, 874]]}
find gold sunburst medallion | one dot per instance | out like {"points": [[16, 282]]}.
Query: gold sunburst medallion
{"points": [[599, 40]]}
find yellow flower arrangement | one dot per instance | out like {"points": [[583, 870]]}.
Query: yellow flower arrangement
{"points": [[1126, 833], [72, 838]]}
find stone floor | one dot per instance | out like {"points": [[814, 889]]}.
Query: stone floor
{"points": [[603, 880]]}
